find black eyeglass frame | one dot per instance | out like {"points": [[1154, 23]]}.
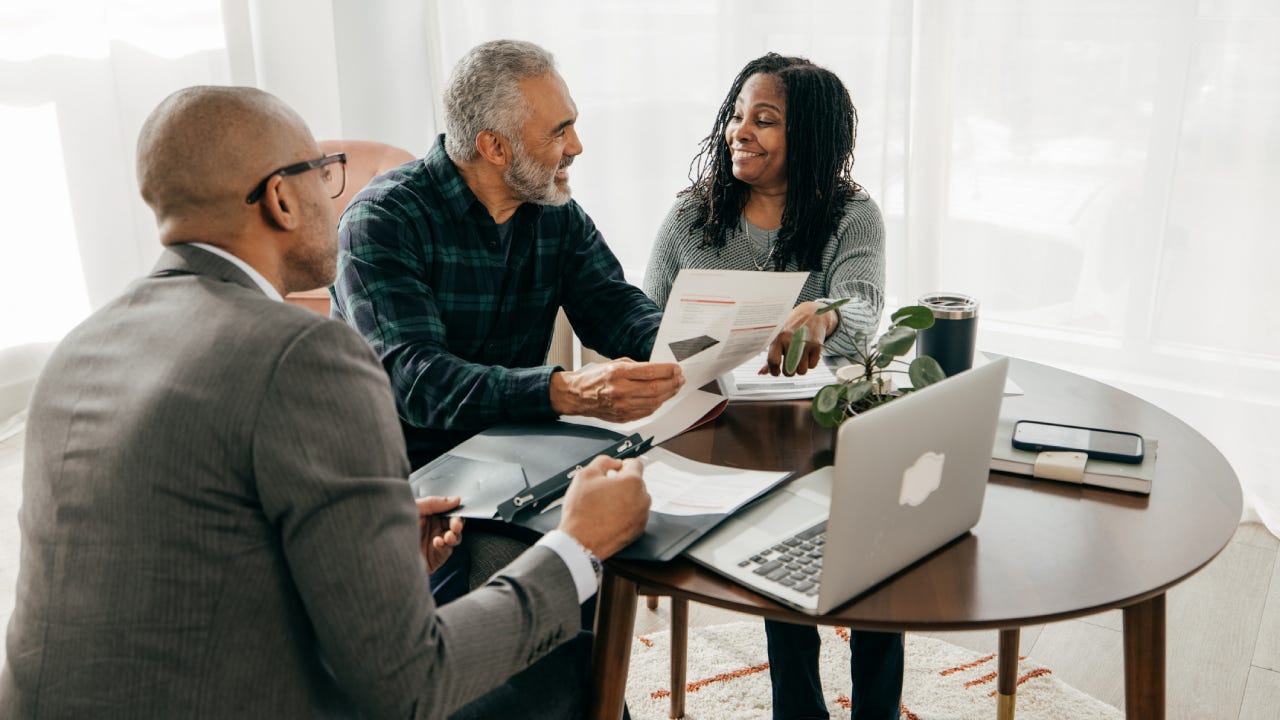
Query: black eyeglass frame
{"points": [[298, 169]]}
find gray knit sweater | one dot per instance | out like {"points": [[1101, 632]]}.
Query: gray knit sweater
{"points": [[852, 262]]}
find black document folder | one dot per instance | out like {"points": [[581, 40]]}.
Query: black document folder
{"points": [[547, 453]]}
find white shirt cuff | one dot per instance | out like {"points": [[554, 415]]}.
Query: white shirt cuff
{"points": [[576, 558]]}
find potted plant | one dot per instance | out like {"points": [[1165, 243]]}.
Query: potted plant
{"points": [[869, 385]]}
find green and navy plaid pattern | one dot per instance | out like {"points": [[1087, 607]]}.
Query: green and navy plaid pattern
{"points": [[461, 324]]}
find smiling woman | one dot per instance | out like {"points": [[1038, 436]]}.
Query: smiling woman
{"points": [[756, 135], [776, 171]]}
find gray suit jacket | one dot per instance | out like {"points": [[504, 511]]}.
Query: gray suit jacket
{"points": [[216, 523]]}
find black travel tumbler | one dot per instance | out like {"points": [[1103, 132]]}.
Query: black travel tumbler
{"points": [[954, 334]]}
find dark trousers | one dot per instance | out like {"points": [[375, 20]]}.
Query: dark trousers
{"points": [[450, 581], [875, 667]]}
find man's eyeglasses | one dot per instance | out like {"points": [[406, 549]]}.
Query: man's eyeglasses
{"points": [[335, 180]]}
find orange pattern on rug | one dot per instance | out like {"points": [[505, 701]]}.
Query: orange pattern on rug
{"points": [[731, 664]]}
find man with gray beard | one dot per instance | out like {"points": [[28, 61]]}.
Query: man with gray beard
{"points": [[453, 267]]}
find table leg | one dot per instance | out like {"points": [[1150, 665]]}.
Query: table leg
{"points": [[1007, 674], [1144, 658], [679, 653], [611, 649]]}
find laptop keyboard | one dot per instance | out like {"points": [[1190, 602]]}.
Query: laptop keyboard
{"points": [[795, 562]]}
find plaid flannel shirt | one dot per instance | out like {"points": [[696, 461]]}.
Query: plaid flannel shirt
{"points": [[461, 324]]}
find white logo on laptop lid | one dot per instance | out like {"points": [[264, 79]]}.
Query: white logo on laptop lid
{"points": [[921, 479]]}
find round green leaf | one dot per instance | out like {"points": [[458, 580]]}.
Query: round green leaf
{"points": [[828, 419], [795, 350], [896, 341], [913, 316], [859, 390], [832, 306], [925, 371], [827, 399]]}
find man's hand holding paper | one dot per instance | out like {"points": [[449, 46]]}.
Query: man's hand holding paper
{"points": [[617, 391], [714, 321]]}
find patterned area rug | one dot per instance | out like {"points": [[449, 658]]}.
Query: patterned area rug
{"points": [[728, 677]]}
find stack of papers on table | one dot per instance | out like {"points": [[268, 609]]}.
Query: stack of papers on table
{"points": [[745, 382]]}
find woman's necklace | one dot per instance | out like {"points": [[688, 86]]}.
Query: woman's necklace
{"points": [[752, 240]]}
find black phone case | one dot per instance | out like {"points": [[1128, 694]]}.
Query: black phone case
{"points": [[1093, 454]]}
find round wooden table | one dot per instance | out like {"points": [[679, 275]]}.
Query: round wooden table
{"points": [[1041, 552]]}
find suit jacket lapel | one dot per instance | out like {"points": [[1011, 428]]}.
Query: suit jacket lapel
{"points": [[188, 260]]}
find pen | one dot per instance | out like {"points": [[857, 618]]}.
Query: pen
{"points": [[545, 493]]}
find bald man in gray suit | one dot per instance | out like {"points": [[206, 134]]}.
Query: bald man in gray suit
{"points": [[215, 517]]}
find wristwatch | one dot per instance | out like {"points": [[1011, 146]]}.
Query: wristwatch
{"points": [[596, 565]]}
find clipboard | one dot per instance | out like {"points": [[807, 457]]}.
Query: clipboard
{"points": [[539, 451], [517, 469], [538, 497]]}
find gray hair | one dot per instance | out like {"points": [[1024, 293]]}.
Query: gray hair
{"points": [[484, 93]]}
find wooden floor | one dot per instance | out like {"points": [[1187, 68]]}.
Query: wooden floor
{"points": [[1223, 625]]}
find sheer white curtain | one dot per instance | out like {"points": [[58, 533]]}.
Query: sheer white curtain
{"points": [[76, 81], [1098, 173]]}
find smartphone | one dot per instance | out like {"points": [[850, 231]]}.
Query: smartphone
{"points": [[1113, 445]]}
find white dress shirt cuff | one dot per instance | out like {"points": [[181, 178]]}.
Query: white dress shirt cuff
{"points": [[577, 558]]}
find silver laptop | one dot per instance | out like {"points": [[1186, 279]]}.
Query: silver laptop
{"points": [[909, 477]]}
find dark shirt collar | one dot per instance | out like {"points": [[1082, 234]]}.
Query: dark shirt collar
{"points": [[457, 200]]}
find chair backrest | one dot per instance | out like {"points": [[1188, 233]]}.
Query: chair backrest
{"points": [[366, 160]]}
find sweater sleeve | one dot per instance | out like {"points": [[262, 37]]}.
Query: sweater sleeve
{"points": [[856, 271], [664, 258]]}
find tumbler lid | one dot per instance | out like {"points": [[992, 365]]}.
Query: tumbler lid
{"points": [[950, 306]]}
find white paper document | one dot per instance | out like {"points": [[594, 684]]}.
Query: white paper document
{"points": [[672, 418], [746, 382], [715, 320], [679, 486]]}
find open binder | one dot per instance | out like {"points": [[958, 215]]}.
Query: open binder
{"points": [[517, 472]]}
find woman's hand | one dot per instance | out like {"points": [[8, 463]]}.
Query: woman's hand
{"points": [[819, 328]]}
